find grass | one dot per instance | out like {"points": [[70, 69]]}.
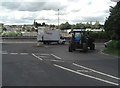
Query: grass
{"points": [[114, 52], [113, 48], [11, 34]]}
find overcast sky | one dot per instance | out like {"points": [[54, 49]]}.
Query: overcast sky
{"points": [[73, 11]]}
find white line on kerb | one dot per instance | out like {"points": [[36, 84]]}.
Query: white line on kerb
{"points": [[56, 56], [106, 81], [96, 71], [37, 56]]}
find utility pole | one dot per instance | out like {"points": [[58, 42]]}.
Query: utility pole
{"points": [[58, 18]]}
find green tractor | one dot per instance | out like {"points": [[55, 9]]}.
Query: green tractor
{"points": [[81, 40]]}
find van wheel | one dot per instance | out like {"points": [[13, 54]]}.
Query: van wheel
{"points": [[63, 43]]}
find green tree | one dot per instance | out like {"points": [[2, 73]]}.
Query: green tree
{"points": [[4, 29], [64, 26], [97, 25], [80, 26], [113, 22], [87, 25]]}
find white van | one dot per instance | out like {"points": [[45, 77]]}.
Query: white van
{"points": [[48, 35]]}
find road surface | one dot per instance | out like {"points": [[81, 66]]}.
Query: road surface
{"points": [[26, 64]]}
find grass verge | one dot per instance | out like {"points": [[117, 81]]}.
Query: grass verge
{"points": [[113, 48], [114, 52]]}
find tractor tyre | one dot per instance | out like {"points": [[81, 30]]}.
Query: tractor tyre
{"points": [[85, 47], [92, 47]]}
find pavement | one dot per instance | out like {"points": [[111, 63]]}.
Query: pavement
{"points": [[24, 63]]}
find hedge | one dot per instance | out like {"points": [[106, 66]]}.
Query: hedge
{"points": [[11, 34]]}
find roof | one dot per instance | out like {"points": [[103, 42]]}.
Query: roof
{"points": [[78, 30]]}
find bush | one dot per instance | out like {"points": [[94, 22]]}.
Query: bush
{"points": [[11, 34], [99, 35]]}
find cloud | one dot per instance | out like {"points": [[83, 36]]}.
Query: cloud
{"points": [[32, 6], [89, 19], [72, 11], [115, 0]]}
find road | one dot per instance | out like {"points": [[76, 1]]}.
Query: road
{"points": [[26, 64]]}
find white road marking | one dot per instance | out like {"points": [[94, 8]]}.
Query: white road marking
{"points": [[44, 54], [56, 56], [101, 52], [4, 53], [23, 53], [16, 42], [56, 60], [106, 81], [83, 71], [13, 53], [96, 71], [37, 56]]}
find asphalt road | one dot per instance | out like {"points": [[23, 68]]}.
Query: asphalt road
{"points": [[26, 64]]}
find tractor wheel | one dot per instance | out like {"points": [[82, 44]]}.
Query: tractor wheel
{"points": [[85, 47], [92, 47]]}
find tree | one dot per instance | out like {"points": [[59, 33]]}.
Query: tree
{"points": [[64, 26], [4, 29], [80, 26], [97, 25], [87, 25], [112, 24], [43, 24]]}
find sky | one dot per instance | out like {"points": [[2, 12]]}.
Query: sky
{"points": [[19, 12]]}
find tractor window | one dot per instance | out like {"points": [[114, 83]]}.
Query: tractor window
{"points": [[77, 36]]}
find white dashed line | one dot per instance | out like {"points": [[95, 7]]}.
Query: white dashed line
{"points": [[96, 71], [4, 53], [23, 53], [37, 56], [56, 56], [13, 53], [17, 42], [106, 81]]}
